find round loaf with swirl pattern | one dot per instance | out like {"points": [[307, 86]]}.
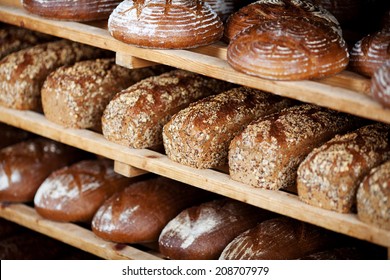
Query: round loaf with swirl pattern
{"points": [[380, 84], [223, 8], [163, 24]]}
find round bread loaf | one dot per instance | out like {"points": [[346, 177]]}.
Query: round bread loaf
{"points": [[25, 165], [223, 8], [199, 135], [138, 213], [264, 10], [74, 193], [202, 232], [162, 24], [373, 197], [288, 49], [380, 84], [278, 239], [72, 10], [10, 135], [370, 52], [330, 175]]}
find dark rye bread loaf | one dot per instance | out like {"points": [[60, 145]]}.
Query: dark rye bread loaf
{"points": [[135, 116], [74, 193], [278, 239], [72, 10], [199, 135], [330, 175], [25, 165], [22, 73], [202, 232], [76, 96], [138, 213], [268, 152], [373, 197]]}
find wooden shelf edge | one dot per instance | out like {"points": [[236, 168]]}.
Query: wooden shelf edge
{"points": [[71, 234], [214, 181]]}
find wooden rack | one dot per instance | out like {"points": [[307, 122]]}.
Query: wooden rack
{"points": [[344, 92]]}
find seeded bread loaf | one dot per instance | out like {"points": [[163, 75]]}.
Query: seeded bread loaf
{"points": [[22, 73], [76, 96], [373, 197], [199, 135], [330, 175], [135, 116], [268, 152]]}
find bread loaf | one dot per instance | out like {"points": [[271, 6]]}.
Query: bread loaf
{"points": [[135, 116], [342, 253], [330, 175], [14, 38], [175, 24], [10, 135], [76, 96], [278, 239], [74, 193], [199, 135], [289, 49], [264, 10], [202, 232], [268, 152], [22, 73], [223, 8], [72, 10], [138, 213], [25, 165], [373, 197], [380, 84], [368, 54]]}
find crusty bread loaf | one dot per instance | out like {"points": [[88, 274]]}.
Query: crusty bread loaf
{"points": [[268, 152], [10, 135], [135, 116], [202, 232], [289, 49], [223, 8], [138, 213], [330, 175], [342, 253], [25, 165], [380, 84], [175, 24], [373, 197], [14, 38], [72, 10], [278, 239], [22, 73], [369, 53], [76, 96], [199, 135], [74, 193]]}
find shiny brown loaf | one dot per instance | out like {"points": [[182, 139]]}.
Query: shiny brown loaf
{"points": [[135, 116], [380, 84], [268, 152], [330, 175], [199, 135], [22, 73], [223, 8], [72, 10]]}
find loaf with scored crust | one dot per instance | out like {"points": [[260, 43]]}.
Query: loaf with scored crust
{"points": [[380, 84]]}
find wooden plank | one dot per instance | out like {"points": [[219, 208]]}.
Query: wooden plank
{"points": [[132, 62], [320, 92], [128, 170], [71, 234], [214, 181]]}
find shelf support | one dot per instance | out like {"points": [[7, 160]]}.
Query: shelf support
{"points": [[132, 62], [128, 170]]}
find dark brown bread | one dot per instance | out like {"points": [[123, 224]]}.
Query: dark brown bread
{"points": [[175, 24], [199, 135], [76, 96], [10, 135], [223, 8], [72, 10], [22, 73], [268, 152], [330, 175], [135, 116], [289, 49], [278, 239], [202, 232], [342, 253], [138, 213], [74, 193], [380, 84], [25, 165], [373, 197]]}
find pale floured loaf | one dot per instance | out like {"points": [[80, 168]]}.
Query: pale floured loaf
{"points": [[380, 84], [330, 175]]}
